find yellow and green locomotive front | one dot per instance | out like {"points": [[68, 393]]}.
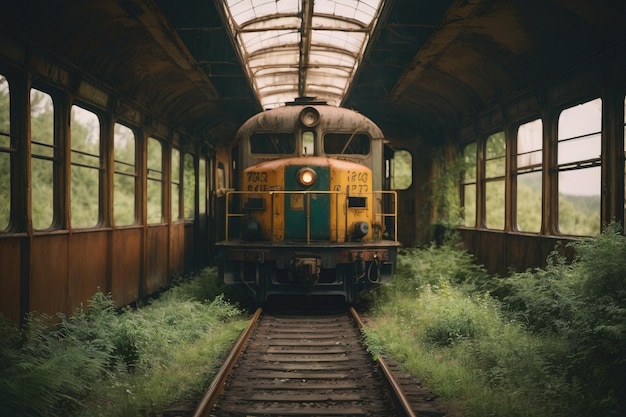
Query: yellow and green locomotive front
{"points": [[308, 217]]}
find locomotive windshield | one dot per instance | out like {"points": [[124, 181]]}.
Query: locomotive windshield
{"points": [[273, 143], [346, 144]]}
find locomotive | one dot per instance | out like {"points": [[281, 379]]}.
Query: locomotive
{"points": [[313, 213]]}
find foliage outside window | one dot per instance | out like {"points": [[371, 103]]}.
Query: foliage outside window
{"points": [[189, 187], [85, 167], [468, 185], [402, 170], [529, 166], [579, 165], [5, 154], [202, 186], [308, 143], [124, 176], [43, 158], [495, 168], [155, 181], [176, 184]]}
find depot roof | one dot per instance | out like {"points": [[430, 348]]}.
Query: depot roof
{"points": [[295, 48]]}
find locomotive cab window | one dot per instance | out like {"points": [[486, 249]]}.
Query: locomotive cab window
{"points": [[346, 144], [272, 143]]}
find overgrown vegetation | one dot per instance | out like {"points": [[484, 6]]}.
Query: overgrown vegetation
{"points": [[102, 362], [545, 342]]}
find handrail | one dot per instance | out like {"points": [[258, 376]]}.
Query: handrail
{"points": [[307, 194]]}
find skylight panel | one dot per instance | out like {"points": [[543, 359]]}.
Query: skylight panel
{"points": [[270, 38]]}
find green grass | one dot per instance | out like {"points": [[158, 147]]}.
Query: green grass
{"points": [[547, 342], [100, 362]]}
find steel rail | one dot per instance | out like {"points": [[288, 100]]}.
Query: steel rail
{"points": [[217, 386], [388, 375]]}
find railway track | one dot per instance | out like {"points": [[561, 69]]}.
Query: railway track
{"points": [[309, 365]]}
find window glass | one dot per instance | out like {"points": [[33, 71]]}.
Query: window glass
{"points": [[43, 158], [189, 177], [579, 148], [529, 166], [346, 144], [124, 175], [202, 185], [155, 181], [176, 184], [5, 154], [308, 143], [402, 170], [495, 165], [468, 186], [273, 143], [85, 167]]}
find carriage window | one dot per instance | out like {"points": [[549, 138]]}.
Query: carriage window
{"points": [[85, 171], [346, 143], [308, 143], [124, 175], [495, 158], [189, 186], [202, 185], [401, 170], [155, 181], [5, 154], [273, 143], [43, 158], [468, 185], [528, 176], [176, 185], [579, 149]]}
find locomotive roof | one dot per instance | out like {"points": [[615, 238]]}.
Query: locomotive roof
{"points": [[285, 118]]}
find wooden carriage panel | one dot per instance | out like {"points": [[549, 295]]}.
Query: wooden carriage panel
{"points": [[49, 266], [88, 268], [156, 259], [126, 265], [10, 272]]}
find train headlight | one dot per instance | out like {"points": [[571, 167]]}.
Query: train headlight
{"points": [[306, 176], [309, 117]]}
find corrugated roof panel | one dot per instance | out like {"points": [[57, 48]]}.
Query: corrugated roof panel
{"points": [[288, 52]]}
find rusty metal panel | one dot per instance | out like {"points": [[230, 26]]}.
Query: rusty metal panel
{"points": [[157, 259], [49, 274], [126, 263], [88, 268], [10, 255]]}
